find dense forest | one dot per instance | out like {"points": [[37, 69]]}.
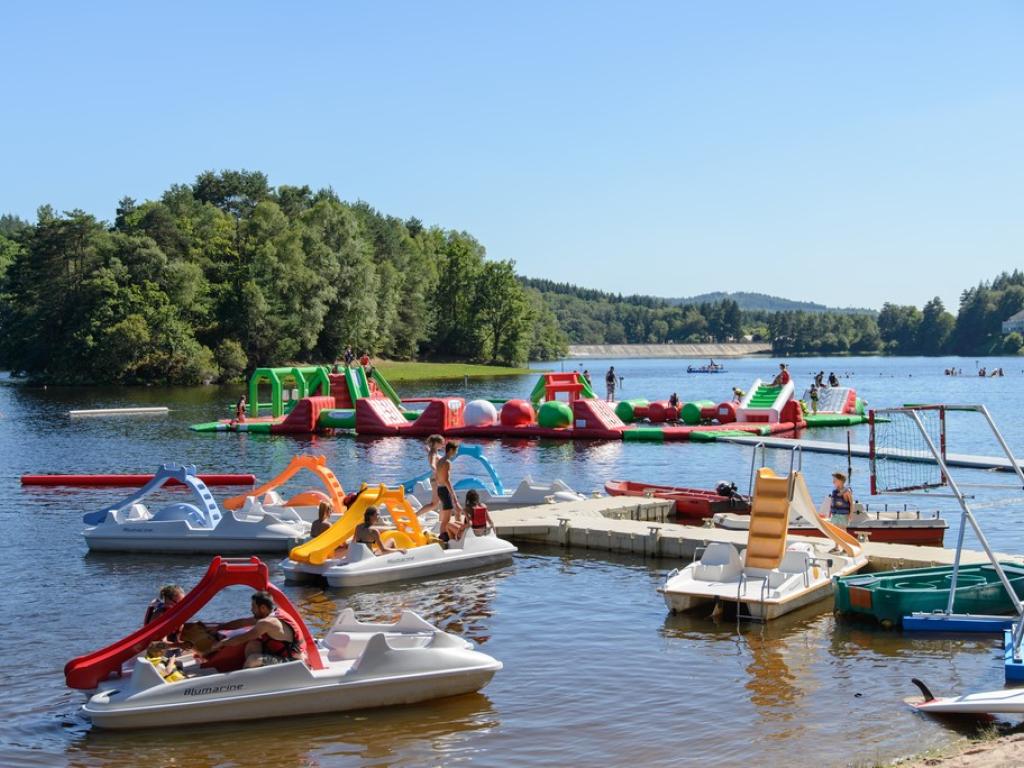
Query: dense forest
{"points": [[228, 273], [595, 317]]}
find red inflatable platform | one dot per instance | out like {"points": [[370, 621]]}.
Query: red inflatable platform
{"points": [[130, 480]]}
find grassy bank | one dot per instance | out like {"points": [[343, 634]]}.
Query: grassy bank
{"points": [[403, 371]]}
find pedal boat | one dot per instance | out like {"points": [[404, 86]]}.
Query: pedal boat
{"points": [[305, 505], [772, 578], [182, 527], [354, 666], [358, 566], [528, 493]]}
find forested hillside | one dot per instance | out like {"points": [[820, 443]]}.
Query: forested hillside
{"points": [[763, 302], [229, 273]]}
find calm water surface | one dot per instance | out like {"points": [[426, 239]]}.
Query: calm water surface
{"points": [[596, 673]]}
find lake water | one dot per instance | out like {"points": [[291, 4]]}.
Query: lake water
{"points": [[596, 672]]}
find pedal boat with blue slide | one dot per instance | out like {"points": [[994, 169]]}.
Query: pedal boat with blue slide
{"points": [[196, 526], [355, 666]]}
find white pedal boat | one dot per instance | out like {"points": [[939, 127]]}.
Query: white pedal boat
{"points": [[355, 666], [183, 527], [305, 505], [359, 566], [528, 493], [1005, 702], [771, 578]]}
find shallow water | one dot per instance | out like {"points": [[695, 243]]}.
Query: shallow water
{"points": [[596, 672]]}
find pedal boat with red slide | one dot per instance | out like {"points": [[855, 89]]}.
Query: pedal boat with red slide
{"points": [[354, 666]]}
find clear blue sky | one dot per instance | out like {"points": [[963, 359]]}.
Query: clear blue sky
{"points": [[848, 153]]}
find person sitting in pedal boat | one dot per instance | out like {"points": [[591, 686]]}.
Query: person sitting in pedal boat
{"points": [[273, 637]]}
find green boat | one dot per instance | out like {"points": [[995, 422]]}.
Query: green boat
{"points": [[891, 595]]}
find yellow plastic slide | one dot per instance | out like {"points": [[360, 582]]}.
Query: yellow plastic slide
{"points": [[317, 551], [769, 521], [803, 505]]}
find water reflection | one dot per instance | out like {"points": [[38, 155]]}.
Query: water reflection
{"points": [[417, 735]]}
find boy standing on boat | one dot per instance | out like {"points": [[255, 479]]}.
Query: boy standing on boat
{"points": [[841, 501], [451, 510]]}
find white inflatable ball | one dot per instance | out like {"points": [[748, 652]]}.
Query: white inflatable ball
{"points": [[479, 413]]}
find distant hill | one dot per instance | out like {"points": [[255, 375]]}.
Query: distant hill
{"points": [[763, 302]]}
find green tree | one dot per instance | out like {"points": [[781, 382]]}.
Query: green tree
{"points": [[935, 329]]}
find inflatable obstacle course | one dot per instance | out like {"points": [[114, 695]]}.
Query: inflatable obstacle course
{"points": [[561, 406]]}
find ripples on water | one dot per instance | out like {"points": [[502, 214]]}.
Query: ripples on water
{"points": [[596, 673]]}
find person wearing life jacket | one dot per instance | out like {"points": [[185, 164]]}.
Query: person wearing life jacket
{"points": [[841, 500], [479, 517], [272, 637]]}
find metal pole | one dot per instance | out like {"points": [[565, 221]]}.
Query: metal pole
{"points": [[974, 524], [1003, 444]]}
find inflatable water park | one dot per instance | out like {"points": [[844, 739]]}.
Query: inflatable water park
{"points": [[562, 406]]}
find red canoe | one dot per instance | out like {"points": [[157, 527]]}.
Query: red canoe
{"points": [[130, 480], [691, 503]]}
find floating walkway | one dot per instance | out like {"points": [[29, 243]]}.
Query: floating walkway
{"points": [[963, 460], [638, 526], [159, 409]]}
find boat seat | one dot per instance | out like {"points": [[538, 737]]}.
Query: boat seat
{"points": [[135, 512], [720, 562], [794, 561], [273, 499]]}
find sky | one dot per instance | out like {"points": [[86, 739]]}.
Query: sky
{"points": [[845, 153]]}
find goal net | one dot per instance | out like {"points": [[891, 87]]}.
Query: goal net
{"points": [[901, 460]]}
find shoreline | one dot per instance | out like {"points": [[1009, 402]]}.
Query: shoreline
{"points": [[984, 751], [697, 351]]}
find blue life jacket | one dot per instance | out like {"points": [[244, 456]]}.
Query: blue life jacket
{"points": [[840, 506]]}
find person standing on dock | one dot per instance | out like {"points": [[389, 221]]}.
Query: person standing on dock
{"points": [[609, 381], [814, 398], [841, 501], [240, 407]]}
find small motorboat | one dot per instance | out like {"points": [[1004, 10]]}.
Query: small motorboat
{"points": [[1004, 702], [494, 495], [891, 527], [331, 558], [692, 504], [354, 666], [712, 368], [266, 497], [772, 577], [183, 527]]}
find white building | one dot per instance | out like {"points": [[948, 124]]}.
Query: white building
{"points": [[1014, 324]]}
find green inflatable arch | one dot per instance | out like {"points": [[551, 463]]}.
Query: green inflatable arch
{"points": [[305, 379]]}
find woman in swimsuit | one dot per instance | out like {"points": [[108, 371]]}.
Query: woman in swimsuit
{"points": [[367, 534]]}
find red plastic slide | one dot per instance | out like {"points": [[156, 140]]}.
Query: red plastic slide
{"points": [[130, 480], [88, 671]]}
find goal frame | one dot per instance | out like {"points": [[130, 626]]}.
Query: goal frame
{"points": [[873, 454]]}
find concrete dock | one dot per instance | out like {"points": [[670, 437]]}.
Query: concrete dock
{"points": [[964, 460], [639, 526]]}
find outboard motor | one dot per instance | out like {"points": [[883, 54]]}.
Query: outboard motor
{"points": [[726, 489]]}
